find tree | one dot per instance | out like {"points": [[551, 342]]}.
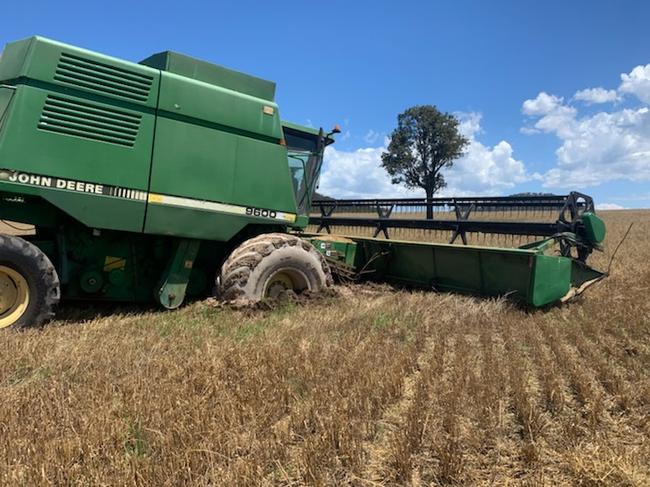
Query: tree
{"points": [[425, 142]]}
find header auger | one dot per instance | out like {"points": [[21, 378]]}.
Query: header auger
{"points": [[158, 179]]}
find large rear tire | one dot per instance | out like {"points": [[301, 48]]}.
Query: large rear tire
{"points": [[271, 264], [29, 284]]}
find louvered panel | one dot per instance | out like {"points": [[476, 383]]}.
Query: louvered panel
{"points": [[89, 121], [104, 78]]}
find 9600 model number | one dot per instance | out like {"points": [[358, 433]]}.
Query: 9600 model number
{"points": [[261, 212]]}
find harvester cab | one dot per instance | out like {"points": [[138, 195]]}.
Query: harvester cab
{"points": [[172, 177], [305, 151]]}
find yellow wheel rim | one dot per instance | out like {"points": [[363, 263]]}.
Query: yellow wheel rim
{"points": [[14, 296], [286, 279], [279, 282]]}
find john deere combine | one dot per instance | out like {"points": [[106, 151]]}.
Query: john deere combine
{"points": [[160, 179]]}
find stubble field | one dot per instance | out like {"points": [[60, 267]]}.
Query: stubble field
{"points": [[369, 386]]}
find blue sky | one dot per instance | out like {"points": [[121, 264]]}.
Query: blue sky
{"points": [[553, 95]]}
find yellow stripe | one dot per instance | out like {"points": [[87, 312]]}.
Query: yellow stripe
{"points": [[212, 206], [155, 198]]}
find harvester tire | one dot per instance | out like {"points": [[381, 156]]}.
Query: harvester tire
{"points": [[29, 284], [271, 264]]}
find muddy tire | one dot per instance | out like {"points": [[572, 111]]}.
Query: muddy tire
{"points": [[29, 284], [270, 264]]}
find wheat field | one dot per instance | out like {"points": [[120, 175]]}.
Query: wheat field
{"points": [[367, 386]]}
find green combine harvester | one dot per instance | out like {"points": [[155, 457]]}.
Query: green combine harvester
{"points": [[174, 178]]}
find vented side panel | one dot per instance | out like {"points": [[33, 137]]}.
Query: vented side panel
{"points": [[104, 78], [89, 121]]}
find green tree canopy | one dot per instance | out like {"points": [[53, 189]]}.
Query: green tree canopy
{"points": [[425, 142]]}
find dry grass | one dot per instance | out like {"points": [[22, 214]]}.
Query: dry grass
{"points": [[370, 387]]}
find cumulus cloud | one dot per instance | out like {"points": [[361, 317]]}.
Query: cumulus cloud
{"points": [[609, 206], [596, 95], [542, 105], [358, 174], [600, 147], [637, 83], [482, 170], [552, 113], [371, 136]]}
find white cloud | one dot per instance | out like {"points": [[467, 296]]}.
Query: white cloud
{"points": [[596, 95], [371, 136], [470, 123], [358, 174], [605, 146], [553, 115], [543, 104], [637, 83], [483, 170], [609, 206], [529, 130]]}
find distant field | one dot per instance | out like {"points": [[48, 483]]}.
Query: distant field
{"points": [[367, 387]]}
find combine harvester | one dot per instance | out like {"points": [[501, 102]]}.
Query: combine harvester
{"points": [[159, 179]]}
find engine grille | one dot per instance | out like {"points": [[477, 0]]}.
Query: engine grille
{"points": [[89, 121], [104, 78]]}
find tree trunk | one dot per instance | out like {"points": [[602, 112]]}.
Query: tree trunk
{"points": [[429, 205]]}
